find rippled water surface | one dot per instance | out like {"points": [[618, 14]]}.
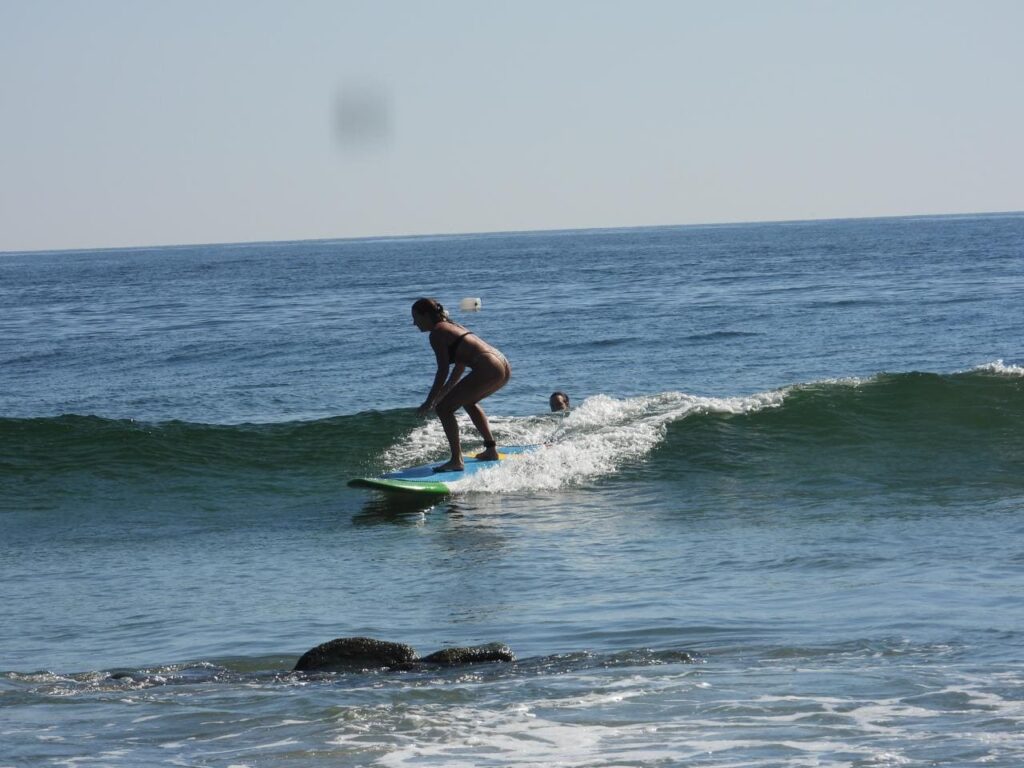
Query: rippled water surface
{"points": [[781, 525]]}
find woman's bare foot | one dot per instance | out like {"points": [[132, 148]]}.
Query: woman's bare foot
{"points": [[489, 454], [450, 466]]}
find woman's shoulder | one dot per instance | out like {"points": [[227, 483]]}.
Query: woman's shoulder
{"points": [[445, 330], [448, 327]]}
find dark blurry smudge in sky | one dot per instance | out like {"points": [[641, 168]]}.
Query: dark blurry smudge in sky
{"points": [[362, 117]]}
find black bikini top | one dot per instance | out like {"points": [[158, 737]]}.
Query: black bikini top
{"points": [[455, 345]]}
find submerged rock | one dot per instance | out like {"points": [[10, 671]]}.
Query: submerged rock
{"points": [[122, 674], [349, 653], [476, 654]]}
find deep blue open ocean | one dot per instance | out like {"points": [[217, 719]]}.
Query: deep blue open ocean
{"points": [[782, 525]]}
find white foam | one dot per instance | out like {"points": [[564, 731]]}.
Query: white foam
{"points": [[566, 736], [603, 718], [1001, 368], [840, 381], [593, 440]]}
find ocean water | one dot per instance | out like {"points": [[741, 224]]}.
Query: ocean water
{"points": [[781, 526]]}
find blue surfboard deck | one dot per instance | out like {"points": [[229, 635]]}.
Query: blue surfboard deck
{"points": [[423, 479]]}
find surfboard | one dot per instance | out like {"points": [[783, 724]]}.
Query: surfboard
{"points": [[423, 479]]}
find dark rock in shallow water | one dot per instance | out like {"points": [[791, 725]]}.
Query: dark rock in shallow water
{"points": [[348, 653], [473, 655], [355, 653]]}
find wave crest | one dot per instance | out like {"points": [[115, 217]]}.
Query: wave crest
{"points": [[909, 428]]}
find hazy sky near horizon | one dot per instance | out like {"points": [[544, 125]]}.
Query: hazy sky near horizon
{"points": [[130, 122]]}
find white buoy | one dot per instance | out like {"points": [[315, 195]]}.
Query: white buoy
{"points": [[470, 305]]}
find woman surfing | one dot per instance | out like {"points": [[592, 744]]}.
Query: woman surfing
{"points": [[489, 371]]}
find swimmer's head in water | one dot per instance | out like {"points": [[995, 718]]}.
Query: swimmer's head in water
{"points": [[559, 401]]}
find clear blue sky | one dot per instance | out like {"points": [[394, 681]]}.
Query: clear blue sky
{"points": [[134, 122]]}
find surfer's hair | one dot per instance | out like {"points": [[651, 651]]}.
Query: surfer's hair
{"points": [[432, 308]]}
